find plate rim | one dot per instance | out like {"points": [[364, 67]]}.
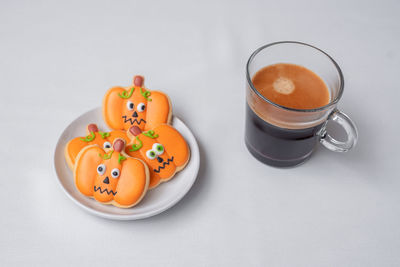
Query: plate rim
{"points": [[194, 149]]}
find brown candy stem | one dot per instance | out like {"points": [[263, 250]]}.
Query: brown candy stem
{"points": [[135, 130], [118, 145], [92, 128], [138, 80]]}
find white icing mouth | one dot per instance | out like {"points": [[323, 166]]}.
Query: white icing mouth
{"points": [[283, 86]]}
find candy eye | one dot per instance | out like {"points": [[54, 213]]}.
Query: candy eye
{"points": [[158, 148], [141, 107], [101, 169], [107, 145], [115, 173], [130, 105], [151, 154]]}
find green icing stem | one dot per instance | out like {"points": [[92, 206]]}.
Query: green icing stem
{"points": [[89, 138], [150, 134], [127, 95], [136, 147], [107, 156], [104, 135], [145, 94], [121, 158]]}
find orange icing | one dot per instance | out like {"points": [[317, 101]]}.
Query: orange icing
{"points": [[118, 116], [75, 145], [174, 146], [124, 191]]}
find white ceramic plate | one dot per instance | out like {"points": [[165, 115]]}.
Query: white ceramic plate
{"points": [[155, 201]]}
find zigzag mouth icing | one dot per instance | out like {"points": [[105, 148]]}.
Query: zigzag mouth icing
{"points": [[105, 190], [163, 165], [133, 121]]}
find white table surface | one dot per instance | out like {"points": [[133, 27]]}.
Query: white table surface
{"points": [[57, 59]]}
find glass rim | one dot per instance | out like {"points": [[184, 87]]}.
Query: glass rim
{"points": [[331, 103]]}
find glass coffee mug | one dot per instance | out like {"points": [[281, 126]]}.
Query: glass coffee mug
{"points": [[282, 136]]}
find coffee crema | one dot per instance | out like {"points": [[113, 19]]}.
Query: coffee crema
{"points": [[292, 86]]}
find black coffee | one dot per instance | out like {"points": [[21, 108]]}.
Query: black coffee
{"points": [[278, 146]]}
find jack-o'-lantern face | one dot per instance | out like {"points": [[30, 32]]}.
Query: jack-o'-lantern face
{"points": [[111, 177], [135, 106], [94, 137], [163, 149]]}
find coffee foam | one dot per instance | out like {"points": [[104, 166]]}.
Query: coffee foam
{"points": [[283, 85]]}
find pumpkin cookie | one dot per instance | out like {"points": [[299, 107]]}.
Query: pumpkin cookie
{"points": [[94, 136], [163, 149], [111, 177], [124, 107]]}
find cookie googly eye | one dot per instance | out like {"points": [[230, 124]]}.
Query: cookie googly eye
{"points": [[151, 154], [130, 105], [107, 145], [115, 173], [158, 148], [101, 169], [141, 107]]}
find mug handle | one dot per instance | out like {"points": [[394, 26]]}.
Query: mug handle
{"points": [[348, 125]]}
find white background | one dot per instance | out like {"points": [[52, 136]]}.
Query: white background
{"points": [[57, 59]]}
